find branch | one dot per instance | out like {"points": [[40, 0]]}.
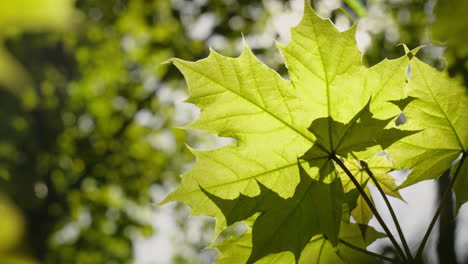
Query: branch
{"points": [[357, 7], [390, 208], [371, 206], [439, 208], [347, 14]]}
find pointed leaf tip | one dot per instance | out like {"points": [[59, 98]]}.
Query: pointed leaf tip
{"points": [[413, 52], [168, 61]]}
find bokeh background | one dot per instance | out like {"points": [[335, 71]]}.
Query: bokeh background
{"points": [[90, 117]]}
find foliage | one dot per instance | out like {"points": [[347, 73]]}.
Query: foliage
{"points": [[450, 24], [318, 250], [88, 114], [380, 167], [11, 230], [288, 224], [433, 111], [332, 112], [15, 19]]}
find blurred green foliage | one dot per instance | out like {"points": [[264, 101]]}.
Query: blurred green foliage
{"points": [[449, 29], [89, 111], [450, 25], [88, 114], [14, 20], [11, 230], [19, 16]]}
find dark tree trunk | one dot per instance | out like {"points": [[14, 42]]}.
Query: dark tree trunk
{"points": [[447, 224]]}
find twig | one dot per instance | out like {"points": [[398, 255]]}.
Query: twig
{"points": [[367, 251], [390, 208], [439, 208], [357, 7], [347, 14], [371, 206]]}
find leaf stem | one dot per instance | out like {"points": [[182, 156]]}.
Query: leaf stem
{"points": [[390, 208], [367, 251], [357, 7], [439, 208], [347, 14], [371, 206]]}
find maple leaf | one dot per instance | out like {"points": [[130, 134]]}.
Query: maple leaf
{"points": [[318, 250], [269, 116], [440, 111], [288, 224]]}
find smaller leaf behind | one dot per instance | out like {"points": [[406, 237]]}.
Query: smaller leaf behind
{"points": [[351, 202], [380, 166], [318, 250], [352, 234], [360, 134], [288, 224], [361, 138]]}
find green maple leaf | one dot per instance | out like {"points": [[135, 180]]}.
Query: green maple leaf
{"points": [[318, 250], [288, 224], [269, 116], [440, 111]]}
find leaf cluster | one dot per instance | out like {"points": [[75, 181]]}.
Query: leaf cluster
{"points": [[308, 147]]}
